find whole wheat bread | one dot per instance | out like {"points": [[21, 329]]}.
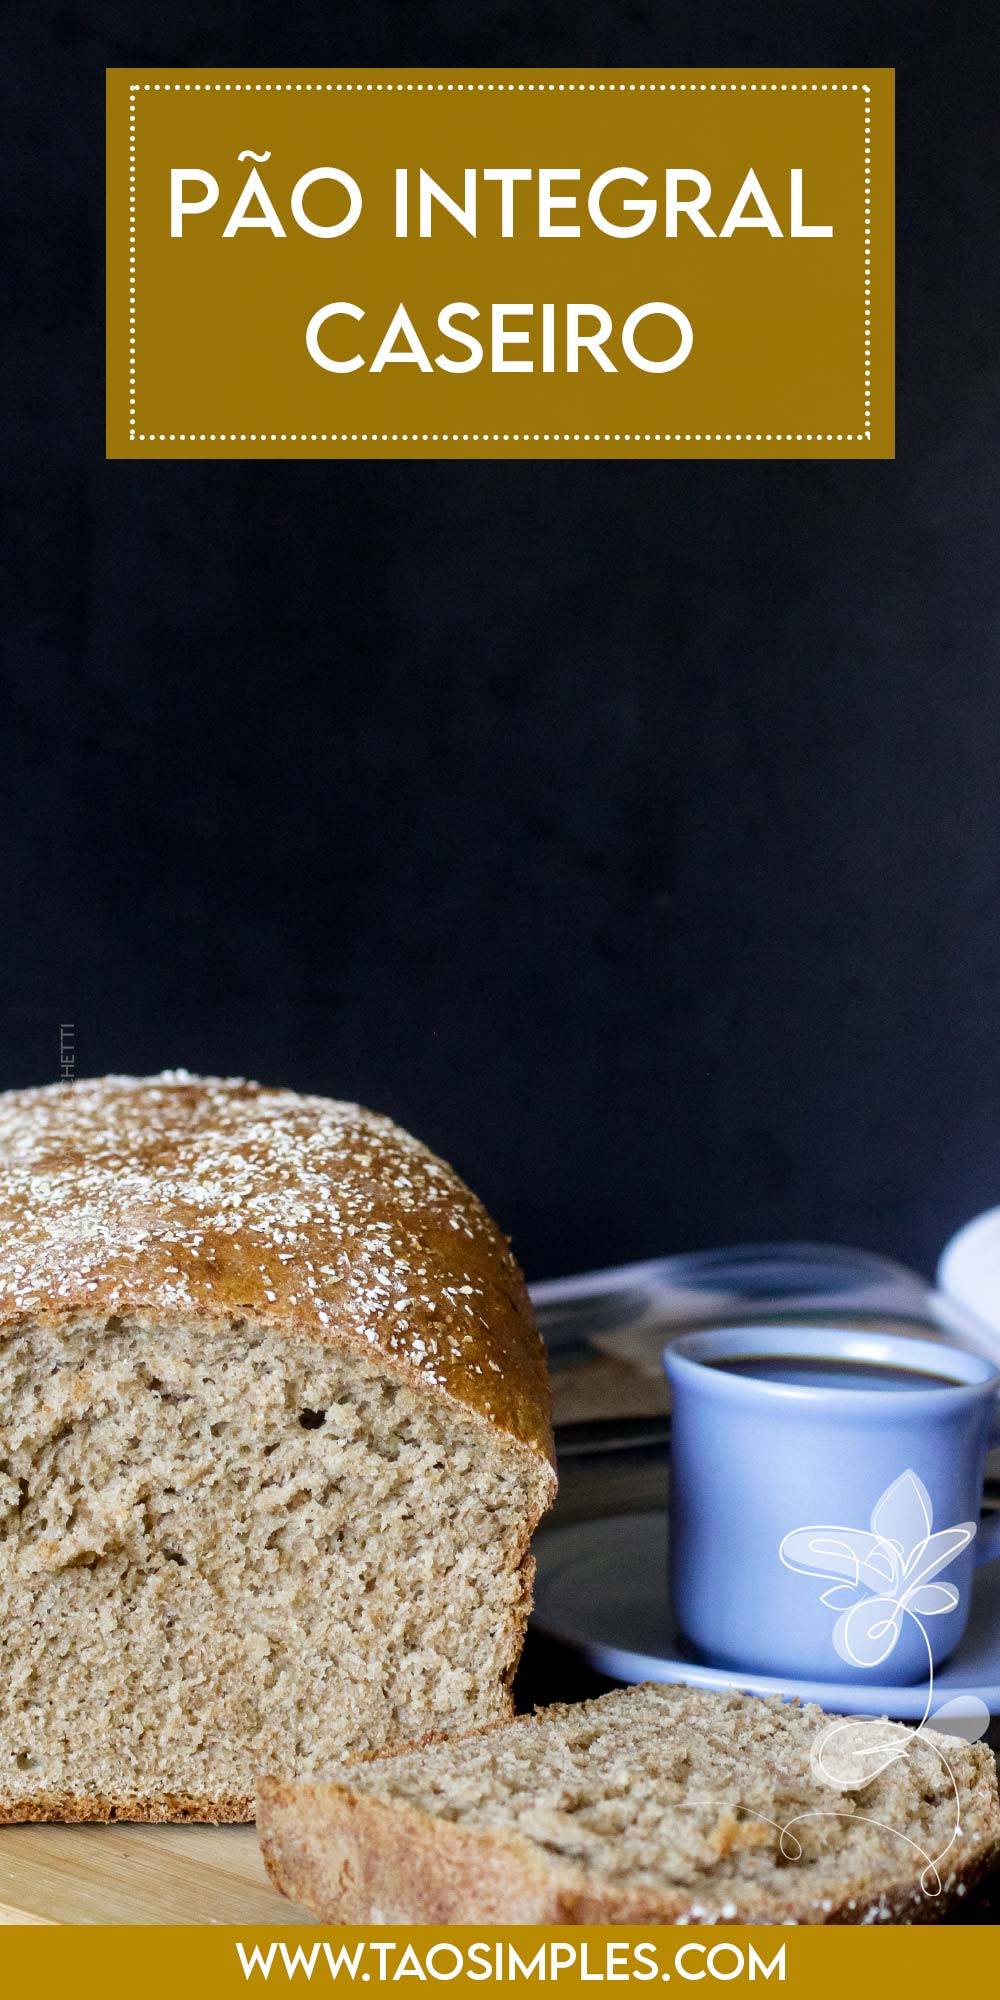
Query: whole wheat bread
{"points": [[662, 1805], [273, 1439]]}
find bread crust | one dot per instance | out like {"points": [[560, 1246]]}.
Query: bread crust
{"points": [[354, 1859], [96, 1809], [220, 1202], [216, 1198]]}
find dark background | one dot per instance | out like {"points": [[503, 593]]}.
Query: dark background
{"points": [[629, 831]]}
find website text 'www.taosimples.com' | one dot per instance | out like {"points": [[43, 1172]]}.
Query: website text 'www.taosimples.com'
{"points": [[493, 1962]]}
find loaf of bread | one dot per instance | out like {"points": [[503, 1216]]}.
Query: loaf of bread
{"points": [[652, 1805], [274, 1435]]}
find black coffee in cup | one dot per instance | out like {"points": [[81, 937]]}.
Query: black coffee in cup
{"points": [[816, 1371]]}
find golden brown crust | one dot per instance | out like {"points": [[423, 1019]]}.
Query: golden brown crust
{"points": [[206, 1198], [94, 1809], [351, 1858]]}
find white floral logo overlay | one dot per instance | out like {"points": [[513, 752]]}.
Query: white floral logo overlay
{"points": [[880, 1574], [876, 1577]]}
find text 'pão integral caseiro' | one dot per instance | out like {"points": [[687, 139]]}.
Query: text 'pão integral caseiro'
{"points": [[327, 202]]}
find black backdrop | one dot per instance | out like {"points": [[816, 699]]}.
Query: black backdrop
{"points": [[629, 831]]}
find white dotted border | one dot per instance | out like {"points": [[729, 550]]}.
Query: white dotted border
{"points": [[131, 262], [502, 86], [501, 437], [868, 264]]}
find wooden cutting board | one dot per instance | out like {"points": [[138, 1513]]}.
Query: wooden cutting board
{"points": [[137, 1875]]}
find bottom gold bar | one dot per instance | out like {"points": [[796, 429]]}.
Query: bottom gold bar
{"points": [[160, 1962]]}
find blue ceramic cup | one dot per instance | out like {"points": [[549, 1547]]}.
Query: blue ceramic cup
{"points": [[825, 1493]]}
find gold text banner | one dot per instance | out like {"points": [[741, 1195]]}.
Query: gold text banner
{"points": [[500, 263]]}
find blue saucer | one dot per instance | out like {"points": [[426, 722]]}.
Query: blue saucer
{"points": [[601, 1588]]}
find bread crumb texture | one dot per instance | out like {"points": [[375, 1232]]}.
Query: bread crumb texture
{"points": [[273, 1438], [670, 1804]]}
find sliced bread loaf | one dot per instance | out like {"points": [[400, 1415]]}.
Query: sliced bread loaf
{"points": [[652, 1805], [273, 1438]]}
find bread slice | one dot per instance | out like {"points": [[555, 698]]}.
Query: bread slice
{"points": [[651, 1805], [274, 1436]]}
